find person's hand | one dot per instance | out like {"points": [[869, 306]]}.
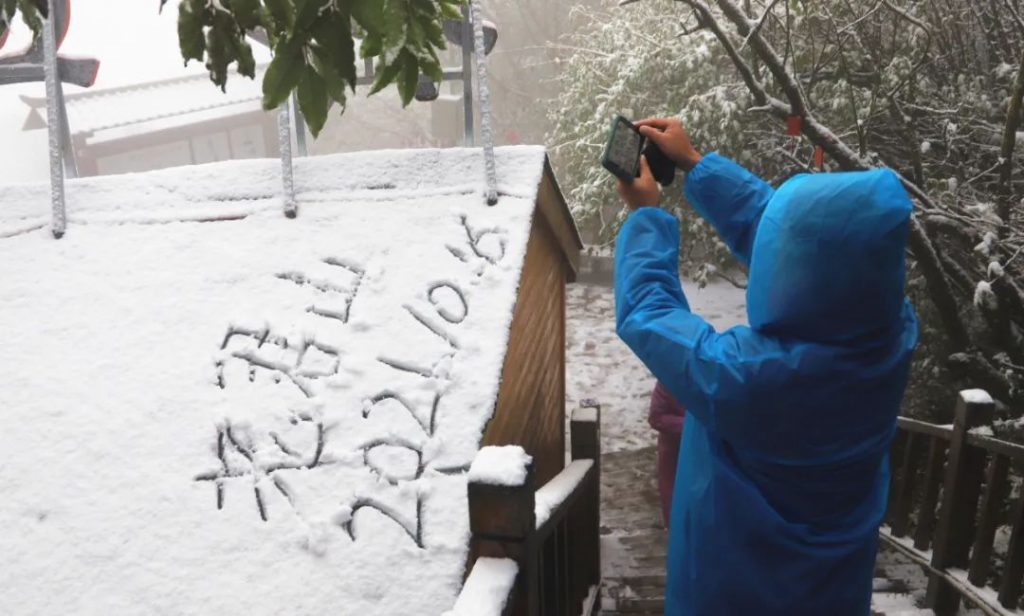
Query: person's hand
{"points": [[643, 190], [670, 136]]}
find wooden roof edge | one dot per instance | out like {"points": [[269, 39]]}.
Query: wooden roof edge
{"points": [[552, 206]]}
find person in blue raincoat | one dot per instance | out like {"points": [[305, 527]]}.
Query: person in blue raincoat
{"points": [[783, 474]]}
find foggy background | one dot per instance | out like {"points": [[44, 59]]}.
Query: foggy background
{"points": [[138, 51]]}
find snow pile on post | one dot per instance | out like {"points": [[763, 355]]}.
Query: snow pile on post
{"points": [[500, 466], [254, 415]]}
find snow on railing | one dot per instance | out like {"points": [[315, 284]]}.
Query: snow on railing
{"points": [[553, 532], [487, 589], [555, 492]]}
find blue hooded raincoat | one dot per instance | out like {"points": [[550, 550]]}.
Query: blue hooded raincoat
{"points": [[783, 469]]}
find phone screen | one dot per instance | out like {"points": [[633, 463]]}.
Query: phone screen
{"points": [[624, 148]]}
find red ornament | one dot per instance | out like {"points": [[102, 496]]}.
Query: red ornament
{"points": [[819, 157], [793, 126]]}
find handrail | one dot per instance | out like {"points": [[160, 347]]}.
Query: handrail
{"points": [[487, 589], [553, 533], [971, 471], [554, 499], [968, 590], [923, 427]]}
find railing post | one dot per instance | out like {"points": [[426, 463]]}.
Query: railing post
{"points": [[1009, 586], [502, 521], [903, 492], [932, 481], [965, 469], [996, 485], [585, 521]]}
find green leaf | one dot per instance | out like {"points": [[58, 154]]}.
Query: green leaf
{"points": [[31, 16], [432, 68], [370, 15], [246, 61], [219, 54], [410, 76], [247, 13], [334, 81], [313, 100], [306, 13], [283, 74], [451, 9], [282, 15], [373, 46], [386, 75], [41, 7], [333, 36], [7, 10], [190, 32]]}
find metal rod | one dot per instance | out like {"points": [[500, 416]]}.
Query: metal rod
{"points": [[486, 129], [300, 126], [58, 223], [467, 76], [284, 138], [67, 145]]}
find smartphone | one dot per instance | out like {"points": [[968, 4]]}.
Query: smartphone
{"points": [[624, 148], [622, 152]]}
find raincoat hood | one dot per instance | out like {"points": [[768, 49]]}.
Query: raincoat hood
{"points": [[828, 258]]}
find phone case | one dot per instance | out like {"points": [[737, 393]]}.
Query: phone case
{"points": [[662, 167], [626, 175]]}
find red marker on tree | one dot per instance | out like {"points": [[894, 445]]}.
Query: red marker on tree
{"points": [[793, 126]]}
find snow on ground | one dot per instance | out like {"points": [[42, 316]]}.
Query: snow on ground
{"points": [[600, 366], [256, 415]]}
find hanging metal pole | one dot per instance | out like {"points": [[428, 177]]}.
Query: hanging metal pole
{"points": [[486, 128], [55, 128], [300, 126], [467, 76], [284, 137], [67, 145]]}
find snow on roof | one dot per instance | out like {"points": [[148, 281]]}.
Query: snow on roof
{"points": [[258, 415], [152, 106]]}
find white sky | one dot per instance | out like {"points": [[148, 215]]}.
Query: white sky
{"points": [[133, 42]]}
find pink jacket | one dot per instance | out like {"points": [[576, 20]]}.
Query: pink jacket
{"points": [[666, 414]]}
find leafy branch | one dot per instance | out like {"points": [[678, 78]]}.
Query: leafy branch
{"points": [[313, 43]]}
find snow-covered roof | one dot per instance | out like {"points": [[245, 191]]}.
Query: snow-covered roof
{"points": [[148, 107], [256, 415]]}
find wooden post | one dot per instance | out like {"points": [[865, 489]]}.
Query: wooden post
{"points": [[932, 481], [904, 484], [1009, 586], [585, 521], [961, 489], [502, 521], [991, 503]]}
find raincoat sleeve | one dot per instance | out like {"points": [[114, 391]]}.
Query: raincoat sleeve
{"points": [[729, 197], [707, 372]]}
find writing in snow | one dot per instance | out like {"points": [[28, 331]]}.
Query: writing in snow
{"points": [[269, 459]]}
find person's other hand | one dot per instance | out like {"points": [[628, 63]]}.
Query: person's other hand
{"points": [[643, 190], [670, 136]]}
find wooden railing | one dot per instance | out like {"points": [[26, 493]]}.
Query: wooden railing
{"points": [[949, 495], [551, 533]]}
